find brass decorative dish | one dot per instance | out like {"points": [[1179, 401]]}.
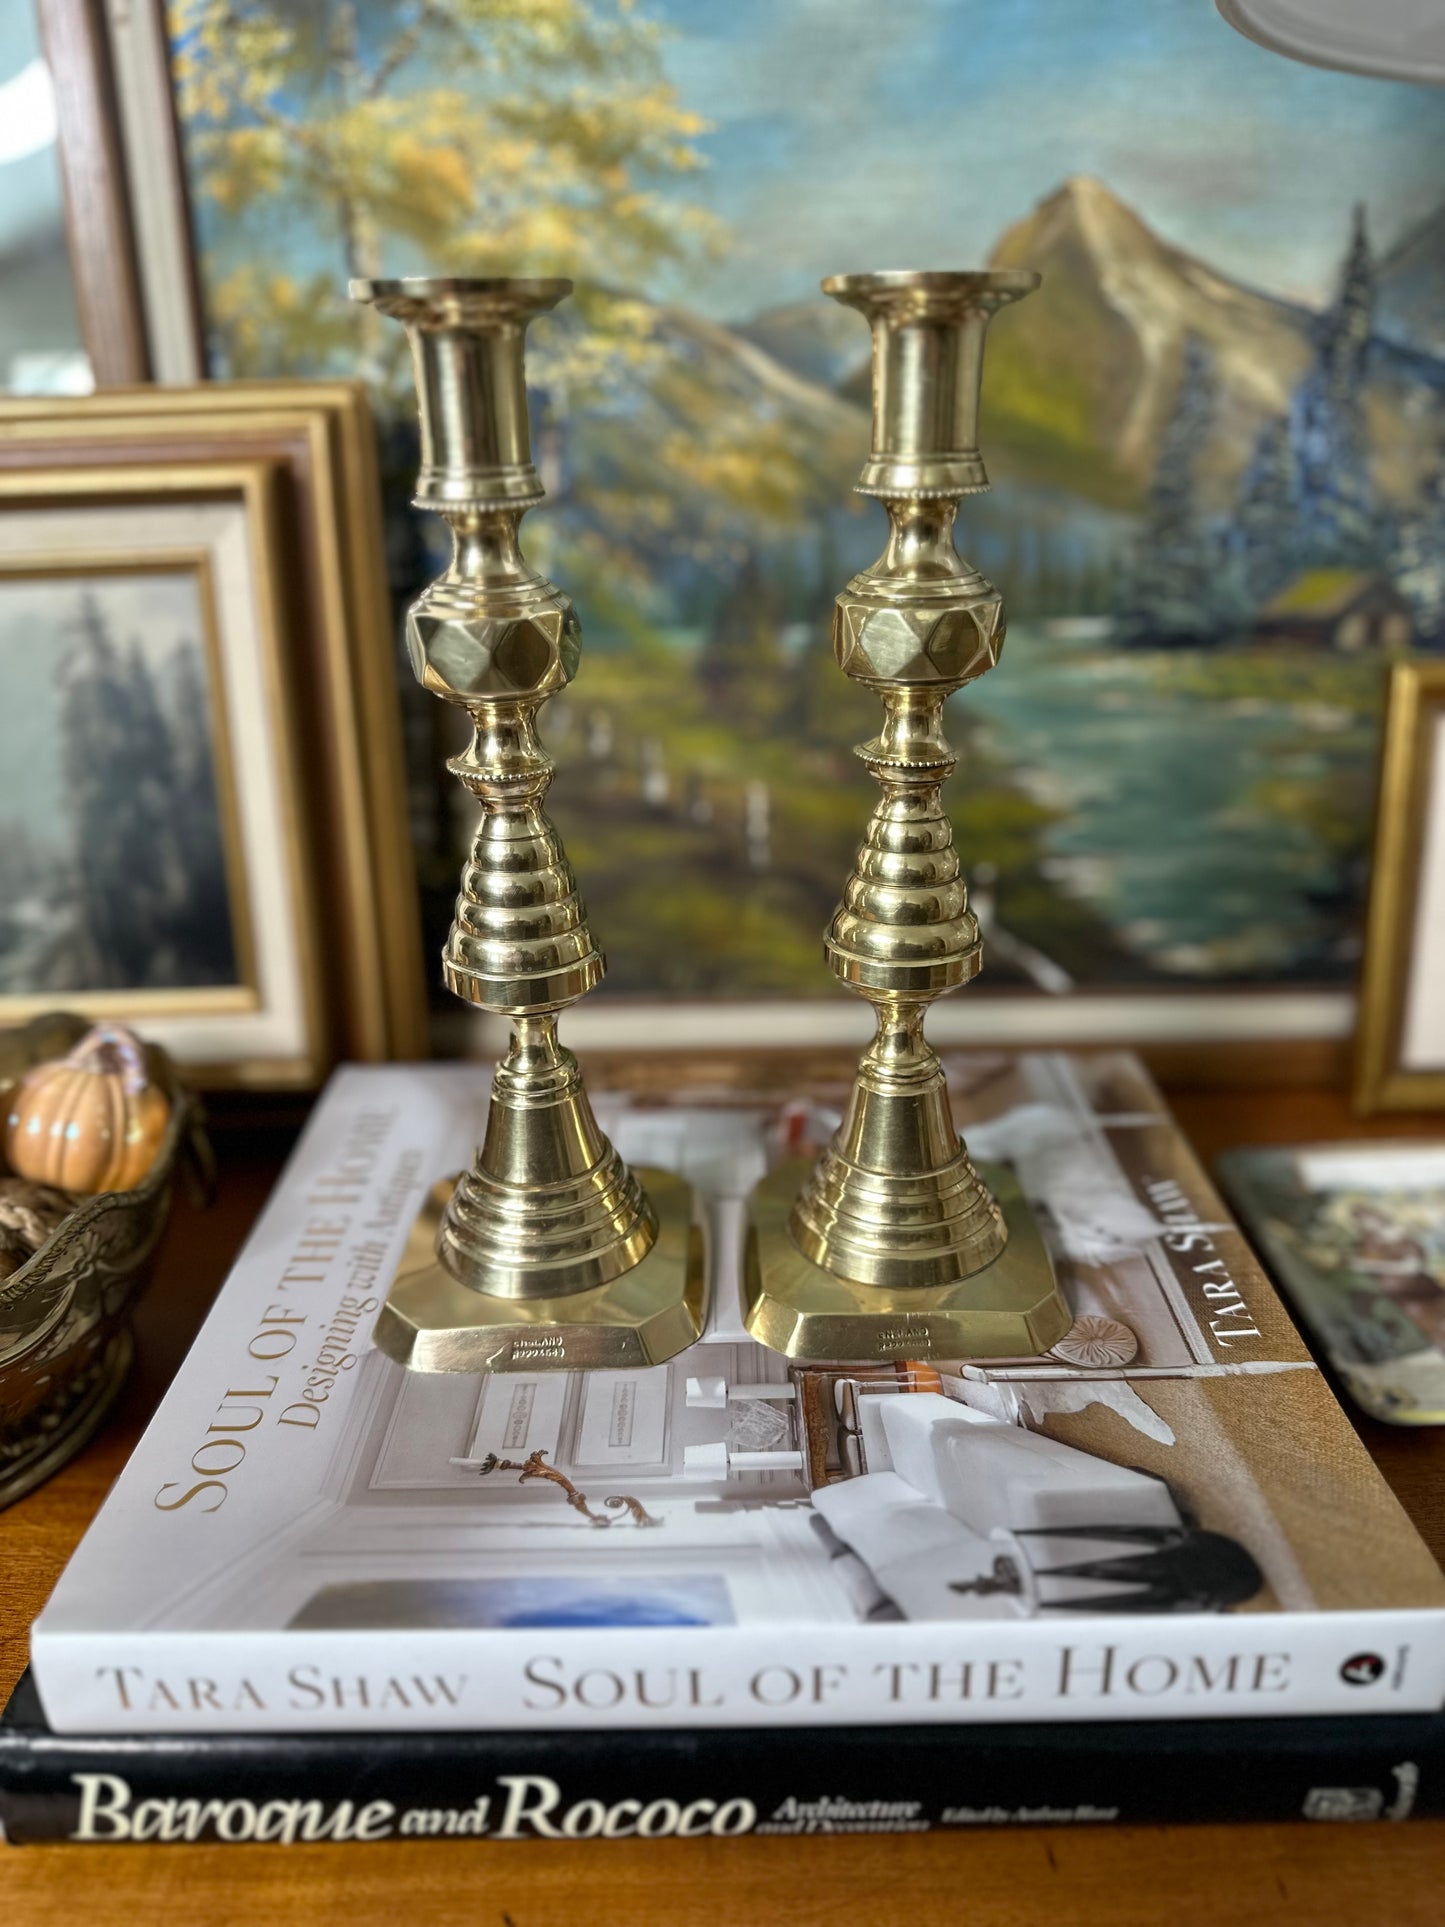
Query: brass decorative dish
{"points": [[65, 1341]]}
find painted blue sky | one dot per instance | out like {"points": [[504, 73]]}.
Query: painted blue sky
{"points": [[909, 133]]}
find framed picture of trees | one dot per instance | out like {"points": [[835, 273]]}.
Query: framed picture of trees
{"points": [[286, 693], [154, 860]]}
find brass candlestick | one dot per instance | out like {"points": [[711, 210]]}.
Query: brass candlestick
{"points": [[548, 1252], [895, 1245]]}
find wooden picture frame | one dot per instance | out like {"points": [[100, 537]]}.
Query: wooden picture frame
{"points": [[103, 260], [337, 665], [1400, 1047], [127, 213]]}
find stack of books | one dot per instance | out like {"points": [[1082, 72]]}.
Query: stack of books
{"points": [[1153, 1576]]}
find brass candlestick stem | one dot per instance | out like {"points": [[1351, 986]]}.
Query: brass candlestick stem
{"points": [[548, 1251], [895, 1245]]}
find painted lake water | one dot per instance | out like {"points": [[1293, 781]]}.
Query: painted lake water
{"points": [[1213, 807]]}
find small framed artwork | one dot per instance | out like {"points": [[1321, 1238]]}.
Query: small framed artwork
{"points": [[1400, 1051], [152, 839], [338, 648], [334, 681], [197, 575]]}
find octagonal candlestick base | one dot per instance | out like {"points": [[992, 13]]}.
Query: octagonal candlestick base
{"points": [[1009, 1309], [430, 1323]]}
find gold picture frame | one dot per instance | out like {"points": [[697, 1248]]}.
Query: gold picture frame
{"points": [[338, 666], [1400, 1044]]}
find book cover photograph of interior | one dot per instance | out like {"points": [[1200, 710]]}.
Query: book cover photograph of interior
{"points": [[1121, 1527], [722, 962]]}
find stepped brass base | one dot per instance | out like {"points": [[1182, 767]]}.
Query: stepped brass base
{"points": [[1012, 1308], [431, 1323]]}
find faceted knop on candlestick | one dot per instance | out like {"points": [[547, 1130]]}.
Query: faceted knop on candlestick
{"points": [[463, 657]]}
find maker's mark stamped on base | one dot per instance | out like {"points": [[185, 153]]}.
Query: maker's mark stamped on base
{"points": [[909, 1341], [543, 1345]]}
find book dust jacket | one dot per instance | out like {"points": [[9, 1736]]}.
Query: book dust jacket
{"points": [[1166, 1517]]}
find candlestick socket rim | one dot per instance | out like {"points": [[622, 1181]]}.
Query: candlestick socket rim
{"points": [[445, 301], [887, 288]]}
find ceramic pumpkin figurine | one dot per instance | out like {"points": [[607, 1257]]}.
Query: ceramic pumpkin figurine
{"points": [[92, 1121]]}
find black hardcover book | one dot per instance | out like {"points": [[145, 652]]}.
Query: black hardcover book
{"points": [[296, 1787]]}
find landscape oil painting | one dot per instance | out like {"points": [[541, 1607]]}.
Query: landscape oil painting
{"points": [[113, 870], [1216, 436]]}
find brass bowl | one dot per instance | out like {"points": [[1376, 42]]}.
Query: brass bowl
{"points": [[65, 1342]]}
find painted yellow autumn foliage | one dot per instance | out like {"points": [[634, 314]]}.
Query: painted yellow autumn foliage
{"points": [[455, 136]]}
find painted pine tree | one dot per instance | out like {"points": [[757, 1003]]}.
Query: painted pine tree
{"points": [[1340, 521], [1264, 537], [1175, 593], [741, 666], [200, 923], [148, 871], [117, 773]]}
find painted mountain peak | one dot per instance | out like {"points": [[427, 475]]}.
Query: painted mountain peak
{"points": [[1089, 368], [1082, 378]]}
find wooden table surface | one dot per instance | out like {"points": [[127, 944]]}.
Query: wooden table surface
{"points": [[1327, 1876]]}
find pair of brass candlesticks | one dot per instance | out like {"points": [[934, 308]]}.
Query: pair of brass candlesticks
{"points": [[549, 1252]]}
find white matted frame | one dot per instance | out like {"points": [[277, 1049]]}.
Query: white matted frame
{"points": [[270, 1027]]}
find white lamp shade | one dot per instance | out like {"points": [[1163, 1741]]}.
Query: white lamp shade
{"points": [[1390, 39]]}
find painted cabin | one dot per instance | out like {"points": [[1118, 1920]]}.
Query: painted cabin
{"points": [[1353, 612]]}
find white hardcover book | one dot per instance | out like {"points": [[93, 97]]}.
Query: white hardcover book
{"points": [[1169, 1517]]}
